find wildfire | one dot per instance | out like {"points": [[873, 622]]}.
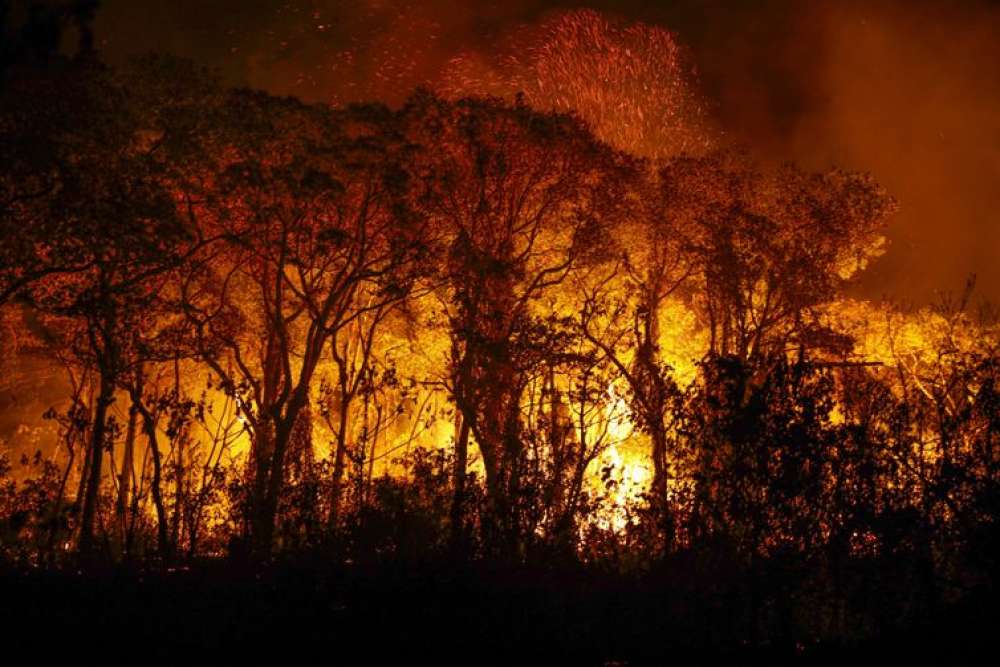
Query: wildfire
{"points": [[621, 469], [376, 282], [627, 477]]}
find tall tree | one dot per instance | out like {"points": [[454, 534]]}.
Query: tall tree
{"points": [[118, 220], [520, 198], [316, 205]]}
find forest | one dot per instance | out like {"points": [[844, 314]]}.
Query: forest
{"points": [[469, 333]]}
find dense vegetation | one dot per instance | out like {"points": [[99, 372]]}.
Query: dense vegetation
{"points": [[465, 331]]}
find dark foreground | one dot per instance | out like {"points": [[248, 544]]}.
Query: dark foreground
{"points": [[417, 615]]}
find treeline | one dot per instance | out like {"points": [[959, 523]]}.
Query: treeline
{"points": [[372, 334]]}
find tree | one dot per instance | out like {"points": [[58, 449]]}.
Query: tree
{"points": [[519, 201], [623, 312], [770, 249], [119, 221], [322, 235]]}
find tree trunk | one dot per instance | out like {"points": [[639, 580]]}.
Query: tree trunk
{"points": [[57, 505], [266, 512], [156, 487], [458, 484], [91, 495], [125, 479], [659, 485], [488, 396], [339, 462], [267, 509], [176, 516], [86, 435], [656, 402]]}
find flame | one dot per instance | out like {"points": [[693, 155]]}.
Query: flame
{"points": [[621, 470], [628, 479]]}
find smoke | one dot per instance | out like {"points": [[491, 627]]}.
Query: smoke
{"points": [[319, 50], [905, 89], [908, 91], [912, 95]]}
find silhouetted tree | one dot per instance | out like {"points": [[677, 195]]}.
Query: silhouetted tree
{"points": [[110, 214], [315, 204], [519, 198]]}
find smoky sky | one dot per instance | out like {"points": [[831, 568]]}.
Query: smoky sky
{"points": [[908, 90]]}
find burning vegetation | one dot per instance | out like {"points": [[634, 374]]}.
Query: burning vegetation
{"points": [[540, 315]]}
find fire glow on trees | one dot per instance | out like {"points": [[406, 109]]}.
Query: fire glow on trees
{"points": [[562, 322]]}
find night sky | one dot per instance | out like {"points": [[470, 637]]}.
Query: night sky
{"points": [[907, 90]]}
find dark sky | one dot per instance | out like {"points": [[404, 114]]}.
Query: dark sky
{"points": [[908, 90]]}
